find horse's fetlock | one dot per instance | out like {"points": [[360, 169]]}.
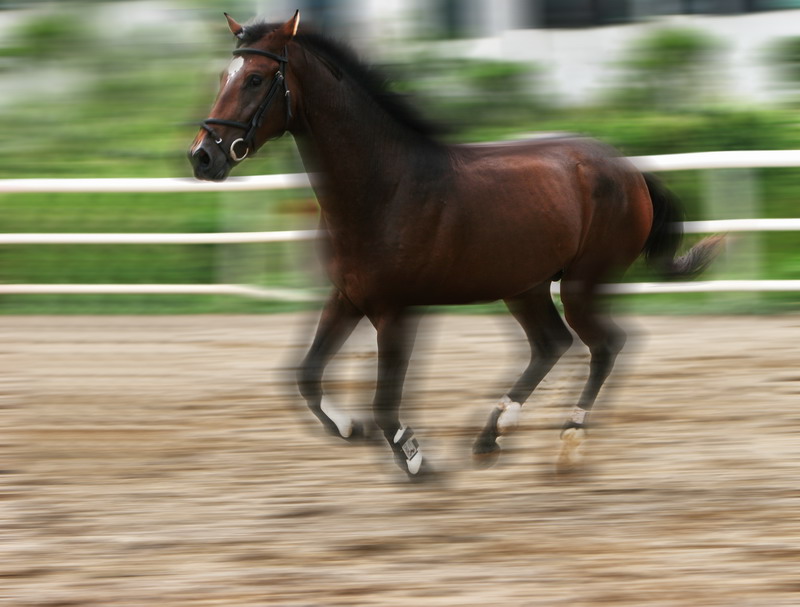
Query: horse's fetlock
{"points": [[578, 416], [407, 450]]}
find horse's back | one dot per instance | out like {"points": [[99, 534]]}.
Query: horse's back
{"points": [[582, 180], [557, 154]]}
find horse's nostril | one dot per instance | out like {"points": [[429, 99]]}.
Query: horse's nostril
{"points": [[202, 159]]}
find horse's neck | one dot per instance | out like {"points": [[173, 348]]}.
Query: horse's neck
{"points": [[359, 153]]}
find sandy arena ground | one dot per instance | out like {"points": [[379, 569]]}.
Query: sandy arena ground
{"points": [[168, 462]]}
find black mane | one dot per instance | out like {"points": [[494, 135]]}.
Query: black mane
{"points": [[341, 59]]}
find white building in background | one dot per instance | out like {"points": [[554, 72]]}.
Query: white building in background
{"points": [[579, 43]]}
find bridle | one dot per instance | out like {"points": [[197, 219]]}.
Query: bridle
{"points": [[250, 128]]}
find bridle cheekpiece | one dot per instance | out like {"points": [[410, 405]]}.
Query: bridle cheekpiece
{"points": [[250, 128]]}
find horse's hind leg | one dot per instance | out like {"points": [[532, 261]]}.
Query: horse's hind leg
{"points": [[338, 319], [548, 339], [604, 340]]}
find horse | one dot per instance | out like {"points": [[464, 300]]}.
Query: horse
{"points": [[411, 222]]}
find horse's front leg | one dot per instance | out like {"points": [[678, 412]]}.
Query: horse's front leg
{"points": [[339, 318], [396, 334]]}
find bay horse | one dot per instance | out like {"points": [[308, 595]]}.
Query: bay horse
{"points": [[412, 222]]}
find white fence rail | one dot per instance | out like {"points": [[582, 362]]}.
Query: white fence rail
{"points": [[689, 227], [155, 185], [745, 159], [278, 294], [670, 162], [167, 238]]}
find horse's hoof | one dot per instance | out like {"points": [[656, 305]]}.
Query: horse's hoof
{"points": [[571, 455], [358, 432], [417, 470], [485, 453], [425, 474]]}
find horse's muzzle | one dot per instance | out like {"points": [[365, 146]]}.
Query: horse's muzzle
{"points": [[208, 161]]}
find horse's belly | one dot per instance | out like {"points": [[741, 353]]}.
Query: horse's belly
{"points": [[490, 278], [484, 290]]}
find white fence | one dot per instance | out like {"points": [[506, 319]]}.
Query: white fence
{"points": [[670, 162]]}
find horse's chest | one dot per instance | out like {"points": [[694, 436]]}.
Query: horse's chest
{"points": [[367, 275], [350, 273]]}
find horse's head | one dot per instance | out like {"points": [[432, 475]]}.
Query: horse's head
{"points": [[254, 103]]}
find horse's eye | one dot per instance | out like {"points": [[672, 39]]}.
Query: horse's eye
{"points": [[255, 81]]}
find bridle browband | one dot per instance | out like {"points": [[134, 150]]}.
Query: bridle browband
{"points": [[250, 128]]}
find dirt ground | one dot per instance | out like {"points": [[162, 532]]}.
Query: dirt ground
{"points": [[168, 462]]}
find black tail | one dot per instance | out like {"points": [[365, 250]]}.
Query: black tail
{"points": [[666, 235]]}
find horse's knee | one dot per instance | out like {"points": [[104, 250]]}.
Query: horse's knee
{"points": [[616, 339], [561, 343], [602, 360], [605, 351], [552, 345]]}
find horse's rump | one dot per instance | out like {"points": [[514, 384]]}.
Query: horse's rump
{"points": [[534, 208]]}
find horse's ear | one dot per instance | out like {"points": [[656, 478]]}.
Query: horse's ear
{"points": [[289, 29], [236, 29]]}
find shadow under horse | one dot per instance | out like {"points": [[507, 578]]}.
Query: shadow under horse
{"points": [[410, 221]]}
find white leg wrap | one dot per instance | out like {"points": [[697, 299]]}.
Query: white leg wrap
{"points": [[509, 416], [343, 421], [411, 450], [578, 415]]}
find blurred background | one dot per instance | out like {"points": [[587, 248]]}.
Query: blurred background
{"points": [[115, 89]]}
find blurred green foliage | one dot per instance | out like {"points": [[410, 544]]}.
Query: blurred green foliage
{"points": [[93, 108], [669, 69], [784, 56], [51, 35]]}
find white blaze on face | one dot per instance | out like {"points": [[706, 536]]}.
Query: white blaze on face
{"points": [[234, 68]]}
